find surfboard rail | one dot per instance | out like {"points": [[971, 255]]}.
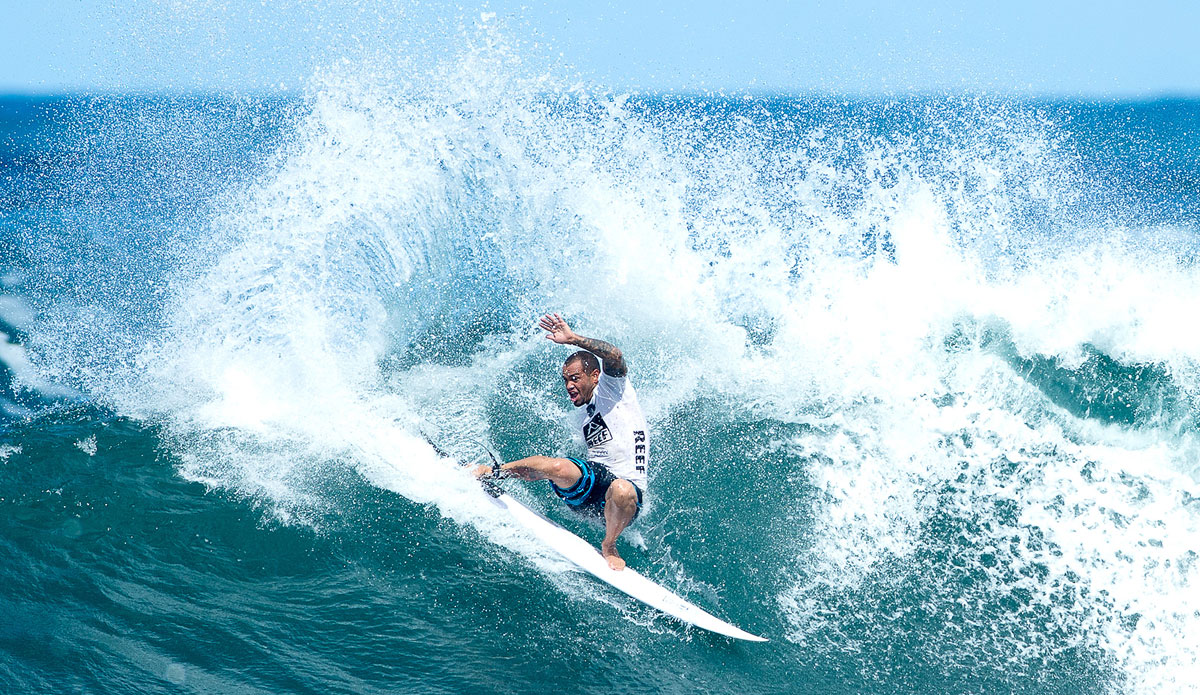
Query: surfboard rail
{"points": [[585, 556]]}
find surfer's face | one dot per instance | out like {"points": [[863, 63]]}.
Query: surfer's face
{"points": [[579, 383]]}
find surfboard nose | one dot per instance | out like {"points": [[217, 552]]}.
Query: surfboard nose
{"points": [[585, 556]]}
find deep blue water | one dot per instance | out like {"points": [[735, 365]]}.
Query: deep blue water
{"points": [[921, 375]]}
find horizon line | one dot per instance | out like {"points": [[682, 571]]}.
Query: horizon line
{"points": [[15, 91]]}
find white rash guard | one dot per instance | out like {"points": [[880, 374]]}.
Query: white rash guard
{"points": [[615, 431]]}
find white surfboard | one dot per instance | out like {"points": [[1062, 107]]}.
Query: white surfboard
{"points": [[587, 558]]}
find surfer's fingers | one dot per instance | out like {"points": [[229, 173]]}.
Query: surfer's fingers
{"points": [[553, 323]]}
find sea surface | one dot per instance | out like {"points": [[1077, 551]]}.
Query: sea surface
{"points": [[922, 376]]}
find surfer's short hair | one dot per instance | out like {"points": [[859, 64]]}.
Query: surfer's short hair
{"points": [[585, 358]]}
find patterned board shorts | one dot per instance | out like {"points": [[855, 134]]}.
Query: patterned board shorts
{"points": [[587, 495]]}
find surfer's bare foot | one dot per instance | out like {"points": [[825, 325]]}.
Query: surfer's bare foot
{"points": [[610, 553]]}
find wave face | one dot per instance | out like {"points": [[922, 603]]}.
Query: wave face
{"points": [[921, 377]]}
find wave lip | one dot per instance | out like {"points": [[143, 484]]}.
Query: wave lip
{"points": [[978, 393]]}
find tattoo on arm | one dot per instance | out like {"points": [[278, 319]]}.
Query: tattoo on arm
{"points": [[609, 354]]}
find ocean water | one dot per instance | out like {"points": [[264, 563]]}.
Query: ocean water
{"points": [[922, 375]]}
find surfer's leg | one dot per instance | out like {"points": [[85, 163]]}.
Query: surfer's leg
{"points": [[561, 472], [620, 506]]}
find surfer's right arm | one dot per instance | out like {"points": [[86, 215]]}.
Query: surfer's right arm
{"points": [[609, 354]]}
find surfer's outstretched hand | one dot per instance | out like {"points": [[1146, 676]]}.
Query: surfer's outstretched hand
{"points": [[557, 329]]}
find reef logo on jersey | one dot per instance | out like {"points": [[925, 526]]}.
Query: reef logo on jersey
{"points": [[639, 450], [595, 430]]}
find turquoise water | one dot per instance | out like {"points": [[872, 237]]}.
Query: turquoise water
{"points": [[921, 376]]}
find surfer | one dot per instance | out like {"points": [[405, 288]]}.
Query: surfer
{"points": [[610, 482]]}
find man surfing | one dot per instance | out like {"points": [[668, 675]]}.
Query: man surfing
{"points": [[610, 482]]}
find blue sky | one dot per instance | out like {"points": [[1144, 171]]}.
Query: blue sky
{"points": [[1095, 49]]}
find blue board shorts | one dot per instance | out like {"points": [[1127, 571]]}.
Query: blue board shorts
{"points": [[587, 495]]}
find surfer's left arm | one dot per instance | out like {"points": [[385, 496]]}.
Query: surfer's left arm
{"points": [[609, 354]]}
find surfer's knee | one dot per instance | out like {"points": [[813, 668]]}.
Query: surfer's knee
{"points": [[564, 473], [622, 494]]}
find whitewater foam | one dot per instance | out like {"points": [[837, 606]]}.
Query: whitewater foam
{"points": [[380, 282]]}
